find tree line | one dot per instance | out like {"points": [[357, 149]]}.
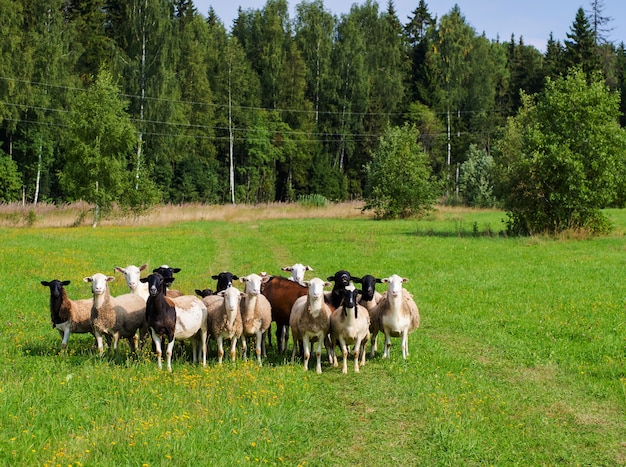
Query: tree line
{"points": [[144, 101]]}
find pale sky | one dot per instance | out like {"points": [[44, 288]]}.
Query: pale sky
{"points": [[531, 19]]}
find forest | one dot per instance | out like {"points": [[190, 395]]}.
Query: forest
{"points": [[148, 101]]}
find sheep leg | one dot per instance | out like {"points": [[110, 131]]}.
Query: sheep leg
{"points": [[329, 348], [244, 348], [220, 349], [194, 348], [66, 337], [357, 350], [405, 343], [363, 352], [387, 344], [168, 354], [307, 352], [373, 344], [233, 348], [318, 354], [259, 341], [203, 345], [157, 344], [263, 344], [344, 353], [99, 341]]}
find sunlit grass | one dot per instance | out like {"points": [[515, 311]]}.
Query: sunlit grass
{"points": [[520, 358]]}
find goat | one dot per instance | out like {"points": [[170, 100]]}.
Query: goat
{"points": [[68, 316], [183, 317]]}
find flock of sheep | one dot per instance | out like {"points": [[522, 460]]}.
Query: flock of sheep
{"points": [[344, 317]]}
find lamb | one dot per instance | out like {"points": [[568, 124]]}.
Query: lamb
{"points": [[132, 274], [396, 315], [224, 319], [68, 316], [183, 317], [310, 321], [168, 273], [350, 325], [369, 296], [118, 317], [256, 315], [282, 294], [297, 272]]}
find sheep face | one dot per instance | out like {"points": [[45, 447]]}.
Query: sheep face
{"points": [[253, 284], [99, 283], [395, 284], [224, 280], [231, 300], [316, 288], [56, 287], [349, 299], [132, 274], [167, 273], [204, 292], [156, 283], [341, 279], [368, 283], [297, 271]]}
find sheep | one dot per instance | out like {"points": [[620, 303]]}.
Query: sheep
{"points": [[310, 321], [369, 297], [132, 274], [282, 294], [118, 317], [341, 279], [297, 272], [224, 319], [256, 315], [68, 316], [224, 280], [168, 273], [350, 325], [396, 315], [183, 317]]}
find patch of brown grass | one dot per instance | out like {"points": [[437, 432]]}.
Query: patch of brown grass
{"points": [[81, 214]]}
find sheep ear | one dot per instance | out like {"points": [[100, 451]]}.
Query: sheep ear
{"points": [[286, 268], [88, 279], [235, 277], [215, 277], [45, 283], [143, 279], [308, 268], [110, 278], [358, 280], [377, 280], [330, 278], [64, 283], [175, 270], [142, 267], [327, 284], [404, 279], [119, 269]]}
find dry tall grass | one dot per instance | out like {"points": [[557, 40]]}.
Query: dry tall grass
{"points": [[81, 214]]}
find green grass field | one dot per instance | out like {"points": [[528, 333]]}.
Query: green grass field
{"points": [[520, 359]]}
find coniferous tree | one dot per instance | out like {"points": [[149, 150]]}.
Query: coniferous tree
{"points": [[580, 45], [416, 33]]}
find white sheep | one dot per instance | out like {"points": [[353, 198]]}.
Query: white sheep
{"points": [[297, 272], [256, 315], [183, 317], [350, 325], [132, 274], [68, 316], [118, 317], [310, 321], [224, 319], [396, 315]]}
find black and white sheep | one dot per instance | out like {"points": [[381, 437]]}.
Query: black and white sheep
{"points": [[224, 319], [68, 316], [183, 317], [396, 315], [350, 325], [224, 280], [168, 274], [369, 296], [117, 317], [310, 321]]}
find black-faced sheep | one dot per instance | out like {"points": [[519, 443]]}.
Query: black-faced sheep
{"points": [[183, 317], [350, 325], [68, 316]]}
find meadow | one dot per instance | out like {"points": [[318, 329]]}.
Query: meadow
{"points": [[520, 358]]}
